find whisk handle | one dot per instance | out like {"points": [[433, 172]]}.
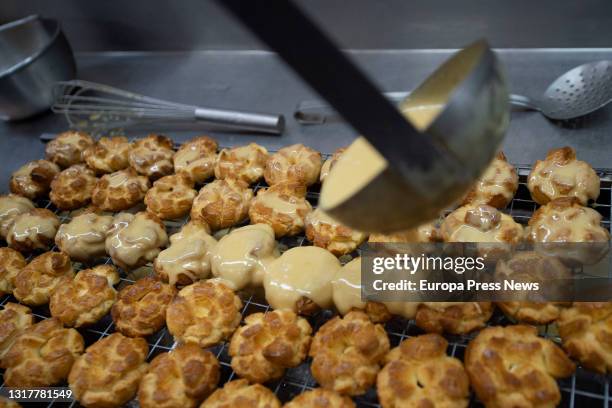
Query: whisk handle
{"points": [[260, 122]]}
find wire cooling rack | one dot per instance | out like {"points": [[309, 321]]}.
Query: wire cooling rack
{"points": [[583, 388]]}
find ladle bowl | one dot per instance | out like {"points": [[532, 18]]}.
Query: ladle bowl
{"points": [[468, 130]]}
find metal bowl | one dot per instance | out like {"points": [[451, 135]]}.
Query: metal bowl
{"points": [[34, 54]]}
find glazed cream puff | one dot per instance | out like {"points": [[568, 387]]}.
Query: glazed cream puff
{"points": [[301, 280], [244, 163], [33, 179], [108, 155], [68, 147], [196, 159], [562, 175], [135, 239], [296, 163], [242, 257], [283, 206]]}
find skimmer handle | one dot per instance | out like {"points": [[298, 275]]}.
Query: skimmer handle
{"points": [[523, 102], [318, 112]]}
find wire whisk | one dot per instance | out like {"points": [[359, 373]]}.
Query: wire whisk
{"points": [[89, 105]]}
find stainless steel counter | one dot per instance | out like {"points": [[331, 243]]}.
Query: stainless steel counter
{"points": [[257, 80]]}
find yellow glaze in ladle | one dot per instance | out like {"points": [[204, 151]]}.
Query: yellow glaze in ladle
{"points": [[463, 107]]}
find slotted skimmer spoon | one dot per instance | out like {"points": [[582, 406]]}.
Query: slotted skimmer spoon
{"points": [[578, 92]]}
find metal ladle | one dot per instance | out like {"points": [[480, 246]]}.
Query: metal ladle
{"points": [[469, 129], [578, 92], [426, 170]]}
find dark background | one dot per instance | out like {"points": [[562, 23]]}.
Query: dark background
{"points": [[357, 24]]}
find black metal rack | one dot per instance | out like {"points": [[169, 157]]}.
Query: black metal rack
{"points": [[583, 388]]}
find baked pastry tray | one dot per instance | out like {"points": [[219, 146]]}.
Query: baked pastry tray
{"points": [[583, 388]]}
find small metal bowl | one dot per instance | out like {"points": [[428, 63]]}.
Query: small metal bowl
{"points": [[34, 54]]}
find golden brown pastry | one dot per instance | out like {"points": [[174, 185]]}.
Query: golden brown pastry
{"points": [[428, 232], [320, 398], [495, 231], [346, 293], [11, 205], [135, 239], [238, 393], [187, 259], [140, 309], [586, 329], [35, 283], [33, 179], [120, 190], [11, 263], [83, 237], [453, 317], [325, 232], [181, 378], [480, 223], [108, 155], [33, 230], [8, 403], [152, 156], [418, 240], [107, 375], [497, 185], [14, 319], [536, 313], [296, 163], [87, 298], [562, 175], [196, 158], [269, 343], [67, 148], [418, 373], [171, 197], [347, 353], [330, 163], [241, 258], [512, 367], [244, 163], [42, 355], [204, 313], [73, 187], [90, 209], [222, 203], [282, 206], [407, 310], [300, 280], [565, 220], [531, 266]]}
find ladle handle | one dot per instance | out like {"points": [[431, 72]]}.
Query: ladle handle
{"points": [[313, 55]]}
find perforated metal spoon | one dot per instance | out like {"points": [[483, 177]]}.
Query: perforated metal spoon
{"points": [[576, 93]]}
